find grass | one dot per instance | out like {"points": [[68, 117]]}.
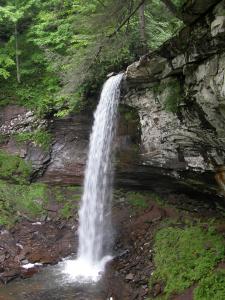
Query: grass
{"points": [[184, 256], [14, 168]]}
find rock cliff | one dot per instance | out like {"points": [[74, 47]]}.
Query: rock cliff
{"points": [[179, 93]]}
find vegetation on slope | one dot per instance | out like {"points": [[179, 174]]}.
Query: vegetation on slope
{"points": [[186, 256], [14, 168], [31, 201], [39, 137]]}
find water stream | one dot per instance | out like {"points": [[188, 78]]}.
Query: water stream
{"points": [[94, 215]]}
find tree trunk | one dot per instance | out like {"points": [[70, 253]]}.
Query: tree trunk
{"points": [[143, 39], [17, 55]]}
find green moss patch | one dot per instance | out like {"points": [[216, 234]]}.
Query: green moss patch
{"points": [[20, 199], [137, 200], [14, 168], [33, 201], [184, 256], [39, 137], [172, 95]]}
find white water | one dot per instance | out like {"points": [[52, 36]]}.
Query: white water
{"points": [[95, 211]]}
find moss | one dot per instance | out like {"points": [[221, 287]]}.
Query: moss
{"points": [[130, 114], [185, 256], [25, 199], [67, 211], [173, 94], [173, 97], [31, 200], [39, 137], [14, 168], [211, 287], [137, 200]]}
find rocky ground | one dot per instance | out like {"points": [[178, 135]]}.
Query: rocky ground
{"points": [[40, 242], [127, 276]]}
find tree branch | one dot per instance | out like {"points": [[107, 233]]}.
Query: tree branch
{"points": [[127, 19], [115, 32]]}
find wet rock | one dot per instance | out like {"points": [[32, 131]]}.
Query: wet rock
{"points": [[27, 273], [9, 275]]}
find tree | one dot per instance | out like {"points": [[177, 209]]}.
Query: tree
{"points": [[142, 25], [14, 12], [60, 51]]}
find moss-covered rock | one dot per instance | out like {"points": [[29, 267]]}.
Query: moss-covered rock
{"points": [[14, 168]]}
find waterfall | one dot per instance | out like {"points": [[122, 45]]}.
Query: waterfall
{"points": [[95, 210]]}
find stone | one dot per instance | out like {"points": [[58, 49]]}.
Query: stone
{"points": [[157, 289], [129, 277], [218, 26], [24, 262], [110, 74], [2, 258]]}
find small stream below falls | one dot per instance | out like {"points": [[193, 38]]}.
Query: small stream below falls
{"points": [[51, 284]]}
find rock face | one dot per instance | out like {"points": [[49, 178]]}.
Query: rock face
{"points": [[179, 93], [69, 150]]}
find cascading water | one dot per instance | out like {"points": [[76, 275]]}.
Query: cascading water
{"points": [[94, 214]]}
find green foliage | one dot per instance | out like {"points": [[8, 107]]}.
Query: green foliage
{"points": [[137, 200], [185, 256], [5, 63], [39, 137], [14, 168], [20, 199], [64, 50], [211, 287], [179, 3], [161, 26]]}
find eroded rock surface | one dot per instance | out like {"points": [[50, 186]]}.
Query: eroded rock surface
{"points": [[179, 93]]}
